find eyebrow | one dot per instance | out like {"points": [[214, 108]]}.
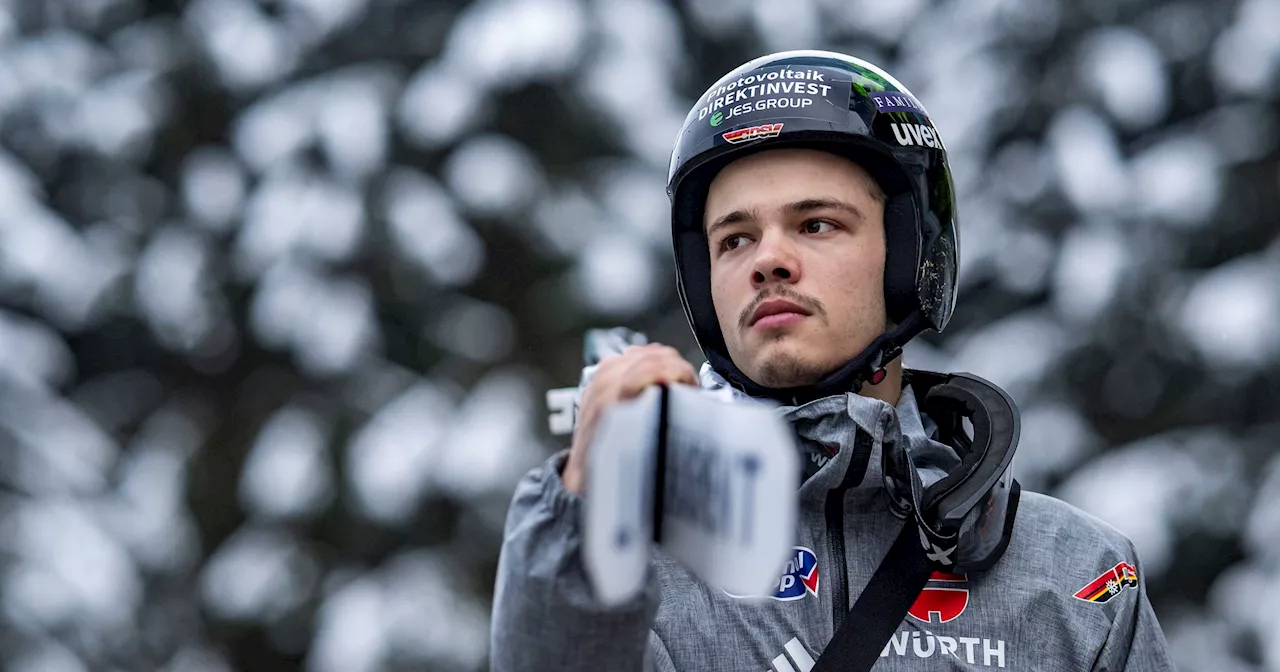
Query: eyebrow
{"points": [[796, 207], [735, 217], [811, 204]]}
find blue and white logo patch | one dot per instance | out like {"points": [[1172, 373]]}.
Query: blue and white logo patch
{"points": [[799, 578]]}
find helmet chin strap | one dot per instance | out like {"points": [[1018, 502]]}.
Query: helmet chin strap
{"points": [[869, 365]]}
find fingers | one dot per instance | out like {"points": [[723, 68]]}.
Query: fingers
{"points": [[617, 378], [687, 375], [660, 365]]}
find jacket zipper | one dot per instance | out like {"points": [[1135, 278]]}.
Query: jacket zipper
{"points": [[853, 475]]}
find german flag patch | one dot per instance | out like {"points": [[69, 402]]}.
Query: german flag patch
{"points": [[1110, 584]]}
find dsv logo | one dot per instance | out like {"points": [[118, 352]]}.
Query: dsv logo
{"points": [[921, 135]]}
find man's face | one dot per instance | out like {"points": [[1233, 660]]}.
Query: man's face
{"points": [[798, 233]]}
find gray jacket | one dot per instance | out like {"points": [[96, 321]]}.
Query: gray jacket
{"points": [[1023, 614]]}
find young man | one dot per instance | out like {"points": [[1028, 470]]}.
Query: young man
{"points": [[814, 236]]}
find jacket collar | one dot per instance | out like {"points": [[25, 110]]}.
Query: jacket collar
{"points": [[826, 429]]}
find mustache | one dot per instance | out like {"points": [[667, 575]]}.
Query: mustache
{"points": [[813, 305]]}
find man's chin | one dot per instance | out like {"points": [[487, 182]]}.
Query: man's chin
{"points": [[780, 367]]}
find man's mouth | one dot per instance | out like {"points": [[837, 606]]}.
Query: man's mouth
{"points": [[777, 313]]}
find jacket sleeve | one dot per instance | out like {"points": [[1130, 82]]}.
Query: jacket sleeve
{"points": [[545, 616], [1136, 642]]}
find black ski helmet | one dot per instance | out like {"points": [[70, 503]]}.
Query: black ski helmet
{"points": [[842, 105]]}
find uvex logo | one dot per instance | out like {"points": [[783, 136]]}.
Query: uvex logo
{"points": [[921, 135]]}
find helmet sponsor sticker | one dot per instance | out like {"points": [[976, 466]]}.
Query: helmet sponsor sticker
{"points": [[1111, 583], [752, 133], [896, 101], [778, 92], [918, 135]]}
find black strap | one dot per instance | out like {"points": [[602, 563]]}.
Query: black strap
{"points": [[881, 607], [660, 465]]}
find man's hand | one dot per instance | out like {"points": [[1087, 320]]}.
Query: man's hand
{"points": [[619, 378]]}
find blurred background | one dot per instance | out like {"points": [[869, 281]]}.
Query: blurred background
{"points": [[283, 284]]}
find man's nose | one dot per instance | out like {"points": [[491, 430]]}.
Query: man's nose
{"points": [[776, 261]]}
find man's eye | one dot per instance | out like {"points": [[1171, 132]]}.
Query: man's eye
{"points": [[818, 226], [733, 242]]}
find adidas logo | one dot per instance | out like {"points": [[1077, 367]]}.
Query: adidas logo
{"points": [[803, 662]]}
